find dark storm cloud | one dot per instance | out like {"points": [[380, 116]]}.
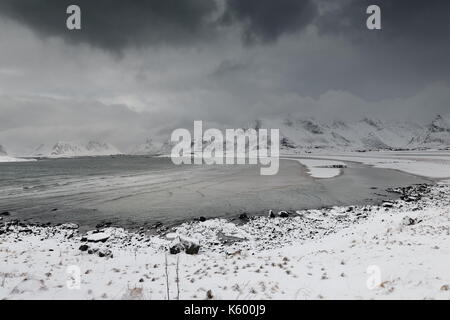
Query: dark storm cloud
{"points": [[402, 20], [266, 20], [115, 25], [409, 52]]}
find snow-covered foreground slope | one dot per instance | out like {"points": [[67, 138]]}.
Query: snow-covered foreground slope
{"points": [[72, 149], [400, 250]]}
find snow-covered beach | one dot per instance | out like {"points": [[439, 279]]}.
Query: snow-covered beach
{"points": [[400, 249], [396, 249]]}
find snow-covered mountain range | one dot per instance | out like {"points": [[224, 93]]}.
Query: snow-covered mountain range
{"points": [[296, 135], [366, 134], [72, 149], [309, 135]]}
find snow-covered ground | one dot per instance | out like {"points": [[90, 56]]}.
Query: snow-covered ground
{"points": [[323, 169], [13, 159], [398, 250], [427, 164]]}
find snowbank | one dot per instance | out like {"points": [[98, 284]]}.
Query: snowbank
{"points": [[12, 159], [321, 168]]}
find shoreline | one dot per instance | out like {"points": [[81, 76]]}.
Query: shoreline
{"points": [[36, 249], [158, 228], [282, 194]]}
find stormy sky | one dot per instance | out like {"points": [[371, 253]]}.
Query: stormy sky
{"points": [[139, 69]]}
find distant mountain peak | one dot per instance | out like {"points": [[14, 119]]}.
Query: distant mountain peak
{"points": [[440, 124], [73, 149], [3, 151]]}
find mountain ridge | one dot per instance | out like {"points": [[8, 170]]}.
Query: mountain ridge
{"points": [[62, 149]]}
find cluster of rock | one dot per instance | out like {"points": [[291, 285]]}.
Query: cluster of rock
{"points": [[411, 193]]}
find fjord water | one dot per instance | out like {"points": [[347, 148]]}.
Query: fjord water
{"points": [[134, 191]]}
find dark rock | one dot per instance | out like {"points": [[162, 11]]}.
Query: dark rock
{"points": [[69, 226], [105, 253], [158, 225], [92, 251], [5, 214], [176, 248], [83, 247], [202, 219], [55, 209], [409, 198], [283, 214], [192, 248], [243, 216], [271, 214], [407, 221], [388, 204], [103, 225], [180, 244]]}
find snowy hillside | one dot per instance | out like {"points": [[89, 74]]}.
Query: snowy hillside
{"points": [[72, 149], [4, 157], [366, 134], [151, 147], [435, 135], [2, 151]]}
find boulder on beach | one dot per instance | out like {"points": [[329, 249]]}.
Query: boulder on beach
{"points": [[98, 237], [105, 253], [69, 226], [243, 216], [388, 204], [183, 244], [407, 221], [283, 214]]}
